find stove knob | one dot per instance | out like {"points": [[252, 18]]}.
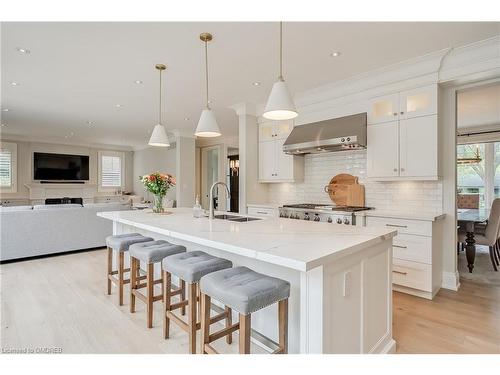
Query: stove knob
{"points": [[306, 216], [346, 221], [316, 217], [285, 215], [330, 219], [297, 217], [339, 221]]}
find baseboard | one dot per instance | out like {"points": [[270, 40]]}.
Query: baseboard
{"points": [[451, 281], [413, 292]]}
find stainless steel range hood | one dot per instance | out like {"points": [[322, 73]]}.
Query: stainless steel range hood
{"points": [[339, 134]]}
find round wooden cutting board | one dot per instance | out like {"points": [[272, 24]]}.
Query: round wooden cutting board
{"points": [[344, 190]]}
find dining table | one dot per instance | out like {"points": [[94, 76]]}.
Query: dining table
{"points": [[468, 218]]}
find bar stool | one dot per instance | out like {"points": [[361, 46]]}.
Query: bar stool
{"points": [[121, 243], [150, 253], [245, 291], [190, 267]]}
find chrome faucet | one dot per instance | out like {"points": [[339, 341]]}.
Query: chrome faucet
{"points": [[211, 214]]}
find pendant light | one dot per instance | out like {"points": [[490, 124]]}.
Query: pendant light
{"points": [[280, 104], [207, 126], [159, 135]]}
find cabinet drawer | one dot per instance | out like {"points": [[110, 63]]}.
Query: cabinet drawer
{"points": [[413, 248], [420, 227], [412, 274], [262, 211]]}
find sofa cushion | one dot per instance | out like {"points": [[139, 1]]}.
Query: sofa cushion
{"points": [[55, 206]]}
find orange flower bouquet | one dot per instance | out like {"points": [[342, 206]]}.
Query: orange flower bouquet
{"points": [[158, 184]]}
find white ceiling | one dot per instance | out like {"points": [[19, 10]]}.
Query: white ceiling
{"points": [[77, 72], [479, 108]]}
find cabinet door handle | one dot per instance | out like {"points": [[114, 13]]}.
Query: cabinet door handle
{"points": [[396, 226], [395, 113], [395, 169], [262, 212], [399, 272], [400, 247], [402, 112], [402, 169]]}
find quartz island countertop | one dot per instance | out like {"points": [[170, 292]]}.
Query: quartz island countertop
{"points": [[294, 244]]}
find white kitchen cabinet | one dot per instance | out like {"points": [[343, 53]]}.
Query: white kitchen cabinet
{"points": [[417, 255], [421, 101], [404, 146], [383, 109], [418, 153], [382, 150], [274, 164]]}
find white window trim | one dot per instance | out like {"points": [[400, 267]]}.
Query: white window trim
{"points": [[13, 149], [106, 189]]}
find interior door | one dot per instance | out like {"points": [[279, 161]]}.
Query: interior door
{"points": [[267, 160], [418, 146], [383, 109], [382, 150], [210, 162]]}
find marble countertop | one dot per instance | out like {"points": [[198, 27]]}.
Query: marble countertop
{"points": [[294, 244], [402, 215], [264, 205]]}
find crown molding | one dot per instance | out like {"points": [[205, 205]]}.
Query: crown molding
{"points": [[244, 108]]}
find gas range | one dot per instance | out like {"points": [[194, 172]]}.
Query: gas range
{"points": [[321, 213]]}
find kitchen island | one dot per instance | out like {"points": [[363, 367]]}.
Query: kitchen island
{"points": [[340, 276]]}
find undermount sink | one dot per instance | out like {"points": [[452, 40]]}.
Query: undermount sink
{"points": [[239, 219]]}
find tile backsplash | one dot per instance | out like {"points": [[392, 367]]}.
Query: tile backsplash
{"points": [[395, 196]]}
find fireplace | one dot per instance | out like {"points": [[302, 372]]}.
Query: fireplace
{"points": [[64, 200]]}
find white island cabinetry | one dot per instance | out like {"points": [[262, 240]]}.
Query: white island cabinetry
{"points": [[340, 276]]}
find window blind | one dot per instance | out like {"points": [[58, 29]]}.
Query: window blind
{"points": [[5, 168], [111, 171]]}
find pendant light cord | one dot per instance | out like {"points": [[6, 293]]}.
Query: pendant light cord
{"points": [[159, 106], [206, 69], [281, 51]]}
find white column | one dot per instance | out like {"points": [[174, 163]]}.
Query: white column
{"points": [[489, 174], [251, 191], [185, 168]]}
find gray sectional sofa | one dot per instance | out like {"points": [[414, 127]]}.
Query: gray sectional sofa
{"points": [[28, 231]]}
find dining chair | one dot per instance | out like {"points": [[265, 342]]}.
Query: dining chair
{"points": [[491, 234]]}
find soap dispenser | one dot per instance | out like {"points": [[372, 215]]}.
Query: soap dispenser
{"points": [[197, 210]]}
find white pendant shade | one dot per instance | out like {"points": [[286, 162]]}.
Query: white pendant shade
{"points": [[207, 126], [159, 137], [280, 104]]}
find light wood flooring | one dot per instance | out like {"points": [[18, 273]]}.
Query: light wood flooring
{"points": [[61, 302]]}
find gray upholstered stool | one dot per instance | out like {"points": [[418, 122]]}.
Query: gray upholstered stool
{"points": [[190, 267], [150, 253], [245, 291], [120, 243]]}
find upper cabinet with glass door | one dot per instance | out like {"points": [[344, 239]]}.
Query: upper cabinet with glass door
{"points": [[417, 102], [275, 130]]}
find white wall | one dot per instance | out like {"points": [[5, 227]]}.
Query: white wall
{"points": [[25, 152], [153, 159], [397, 196]]}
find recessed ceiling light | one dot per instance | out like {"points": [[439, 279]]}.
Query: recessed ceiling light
{"points": [[14, 83], [335, 54], [2, 125], [118, 105], [138, 82], [5, 110], [89, 122], [22, 50], [186, 118], [256, 83]]}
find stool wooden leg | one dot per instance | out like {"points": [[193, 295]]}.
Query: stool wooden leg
{"points": [[245, 327], [121, 267], [283, 325], [198, 301], [167, 286], [133, 282], [205, 321], [110, 268], [183, 296], [192, 317], [229, 323], [150, 290]]}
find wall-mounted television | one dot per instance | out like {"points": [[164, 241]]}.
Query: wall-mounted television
{"points": [[60, 167]]}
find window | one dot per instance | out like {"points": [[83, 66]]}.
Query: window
{"points": [[8, 167], [111, 170]]}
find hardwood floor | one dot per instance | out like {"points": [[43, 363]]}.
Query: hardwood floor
{"points": [[62, 302]]}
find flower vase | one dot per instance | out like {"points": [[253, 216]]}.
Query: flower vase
{"points": [[158, 204]]}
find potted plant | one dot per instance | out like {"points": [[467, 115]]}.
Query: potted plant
{"points": [[158, 184]]}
